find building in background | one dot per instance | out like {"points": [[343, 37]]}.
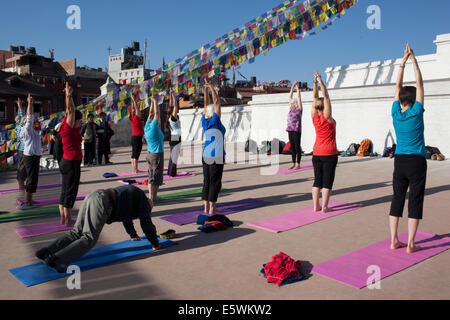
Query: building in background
{"points": [[33, 71], [129, 65]]}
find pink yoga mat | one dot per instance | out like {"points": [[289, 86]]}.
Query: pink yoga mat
{"points": [[288, 171], [351, 269], [179, 176], [303, 217], [41, 229], [48, 201], [41, 186]]}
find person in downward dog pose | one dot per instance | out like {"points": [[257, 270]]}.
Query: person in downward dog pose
{"points": [[294, 126], [410, 165], [325, 150]]}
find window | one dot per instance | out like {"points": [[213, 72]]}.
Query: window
{"points": [[2, 109], [37, 106]]}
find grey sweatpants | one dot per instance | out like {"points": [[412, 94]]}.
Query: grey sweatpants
{"points": [[92, 216]]}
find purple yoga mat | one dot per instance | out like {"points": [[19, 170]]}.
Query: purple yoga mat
{"points": [[130, 173], [228, 208], [288, 171], [303, 217], [351, 269], [41, 229], [41, 186], [165, 177], [48, 201]]}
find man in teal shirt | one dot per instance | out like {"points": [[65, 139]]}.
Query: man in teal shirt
{"points": [[155, 143]]}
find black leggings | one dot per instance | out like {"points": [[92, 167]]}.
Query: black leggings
{"points": [[32, 165], [324, 171], [296, 150], [71, 174], [136, 147], [409, 171], [212, 181]]}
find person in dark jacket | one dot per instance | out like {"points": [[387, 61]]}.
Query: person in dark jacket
{"points": [[89, 133], [104, 134], [56, 148], [121, 204]]}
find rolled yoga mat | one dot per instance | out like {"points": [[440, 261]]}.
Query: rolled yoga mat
{"points": [[228, 208], [303, 217], [352, 268], [42, 186], [101, 256], [48, 201], [165, 178], [41, 229], [29, 214], [131, 173]]}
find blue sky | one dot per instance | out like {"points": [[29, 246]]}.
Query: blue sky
{"points": [[174, 28]]}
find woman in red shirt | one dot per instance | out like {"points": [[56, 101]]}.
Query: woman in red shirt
{"points": [[138, 131], [71, 161], [325, 150]]}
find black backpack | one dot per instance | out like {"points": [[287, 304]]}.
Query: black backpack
{"points": [[221, 218], [430, 151]]}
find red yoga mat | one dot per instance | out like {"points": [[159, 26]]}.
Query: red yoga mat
{"points": [[352, 269]]}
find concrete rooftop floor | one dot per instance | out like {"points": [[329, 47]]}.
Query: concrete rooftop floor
{"points": [[225, 265]]}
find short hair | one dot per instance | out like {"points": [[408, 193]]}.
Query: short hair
{"points": [[90, 115], [407, 95], [319, 104], [78, 115]]}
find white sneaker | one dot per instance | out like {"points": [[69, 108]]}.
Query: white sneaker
{"points": [[25, 206]]}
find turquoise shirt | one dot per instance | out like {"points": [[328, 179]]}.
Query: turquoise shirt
{"points": [[154, 136], [409, 129]]}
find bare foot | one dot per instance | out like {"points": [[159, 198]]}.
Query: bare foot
{"points": [[216, 211], [62, 220], [292, 167], [412, 249], [317, 209], [70, 223], [325, 209], [297, 166], [397, 244]]}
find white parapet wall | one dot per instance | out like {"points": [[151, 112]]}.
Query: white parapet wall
{"points": [[361, 97]]}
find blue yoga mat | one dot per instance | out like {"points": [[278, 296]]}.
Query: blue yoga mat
{"points": [[101, 256]]}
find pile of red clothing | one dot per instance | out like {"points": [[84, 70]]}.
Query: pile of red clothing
{"points": [[282, 269]]}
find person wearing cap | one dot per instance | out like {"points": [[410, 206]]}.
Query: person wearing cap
{"points": [[30, 135], [121, 204]]}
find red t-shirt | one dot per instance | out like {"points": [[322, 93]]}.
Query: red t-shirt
{"points": [[138, 126], [325, 136], [71, 141]]}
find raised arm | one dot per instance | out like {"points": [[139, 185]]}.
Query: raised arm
{"points": [[135, 108], [419, 81], [205, 96], [326, 99], [70, 106], [30, 121], [176, 105], [299, 97], [216, 101], [155, 110], [315, 94], [401, 72], [291, 94]]}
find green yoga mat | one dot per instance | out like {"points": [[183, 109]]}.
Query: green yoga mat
{"points": [[29, 214], [181, 195]]}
